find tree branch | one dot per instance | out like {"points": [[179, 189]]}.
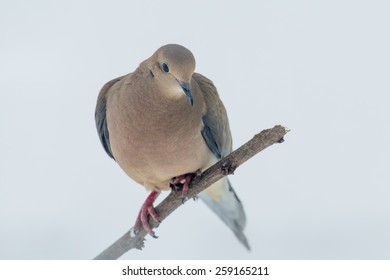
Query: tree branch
{"points": [[224, 167]]}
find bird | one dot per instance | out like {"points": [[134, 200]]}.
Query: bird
{"points": [[163, 124]]}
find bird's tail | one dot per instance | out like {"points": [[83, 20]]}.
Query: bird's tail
{"points": [[222, 199]]}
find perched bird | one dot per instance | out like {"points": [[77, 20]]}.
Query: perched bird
{"points": [[162, 124]]}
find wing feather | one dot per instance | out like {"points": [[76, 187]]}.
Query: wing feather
{"points": [[100, 116]]}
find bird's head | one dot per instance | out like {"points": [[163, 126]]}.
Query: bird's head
{"points": [[173, 65]]}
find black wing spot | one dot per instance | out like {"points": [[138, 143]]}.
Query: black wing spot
{"points": [[104, 135], [210, 140]]}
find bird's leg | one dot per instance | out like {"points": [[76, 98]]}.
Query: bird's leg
{"points": [[147, 208], [185, 181]]}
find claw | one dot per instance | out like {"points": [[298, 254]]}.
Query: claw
{"points": [[184, 181], [147, 209]]}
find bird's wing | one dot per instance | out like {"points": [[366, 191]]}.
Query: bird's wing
{"points": [[216, 131], [100, 116]]}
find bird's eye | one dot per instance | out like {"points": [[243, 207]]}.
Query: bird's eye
{"points": [[165, 67]]}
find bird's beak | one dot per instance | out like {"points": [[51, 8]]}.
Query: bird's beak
{"points": [[187, 91]]}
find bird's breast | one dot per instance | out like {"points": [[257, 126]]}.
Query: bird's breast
{"points": [[154, 144]]}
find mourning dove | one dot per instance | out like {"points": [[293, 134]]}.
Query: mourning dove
{"points": [[162, 124]]}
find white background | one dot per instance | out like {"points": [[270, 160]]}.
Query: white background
{"points": [[320, 68]]}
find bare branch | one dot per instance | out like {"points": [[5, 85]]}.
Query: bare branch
{"points": [[224, 167]]}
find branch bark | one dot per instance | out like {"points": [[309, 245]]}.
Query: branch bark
{"points": [[224, 167]]}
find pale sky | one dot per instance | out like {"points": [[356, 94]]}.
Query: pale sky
{"points": [[320, 68]]}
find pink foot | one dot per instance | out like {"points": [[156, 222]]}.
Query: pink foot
{"points": [[147, 208], [185, 180]]}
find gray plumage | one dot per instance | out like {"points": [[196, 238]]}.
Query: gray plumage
{"points": [[100, 117]]}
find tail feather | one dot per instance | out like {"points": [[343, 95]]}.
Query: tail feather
{"points": [[227, 206]]}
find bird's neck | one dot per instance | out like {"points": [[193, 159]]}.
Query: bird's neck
{"points": [[167, 113]]}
